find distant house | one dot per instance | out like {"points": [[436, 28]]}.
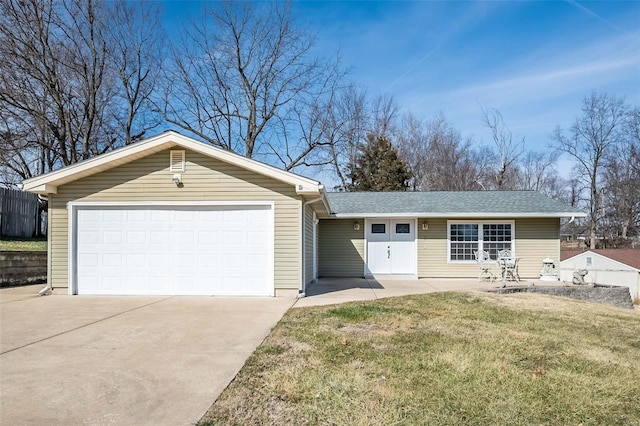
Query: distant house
{"points": [[606, 266], [171, 215]]}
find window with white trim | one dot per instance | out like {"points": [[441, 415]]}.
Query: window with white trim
{"points": [[467, 237]]}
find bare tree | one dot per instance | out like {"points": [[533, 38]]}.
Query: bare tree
{"points": [[437, 156], [136, 44], [621, 182], [54, 87], [237, 72], [384, 114], [75, 80], [536, 171], [508, 149], [309, 131], [348, 128], [28, 78], [355, 119], [589, 141], [91, 88], [413, 147]]}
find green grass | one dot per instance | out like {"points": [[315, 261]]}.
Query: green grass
{"points": [[23, 244], [446, 359]]}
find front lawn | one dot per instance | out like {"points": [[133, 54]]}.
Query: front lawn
{"points": [[23, 244], [443, 358]]}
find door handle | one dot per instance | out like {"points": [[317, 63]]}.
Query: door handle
{"points": [[388, 252]]}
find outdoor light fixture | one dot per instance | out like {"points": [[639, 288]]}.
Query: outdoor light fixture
{"points": [[356, 226], [425, 226], [177, 179]]}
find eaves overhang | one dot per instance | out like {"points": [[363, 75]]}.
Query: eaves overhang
{"points": [[48, 183], [458, 215]]}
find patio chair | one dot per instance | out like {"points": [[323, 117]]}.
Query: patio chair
{"points": [[484, 263], [509, 266], [504, 254]]}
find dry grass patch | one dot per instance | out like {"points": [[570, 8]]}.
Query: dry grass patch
{"points": [[447, 358], [14, 244]]}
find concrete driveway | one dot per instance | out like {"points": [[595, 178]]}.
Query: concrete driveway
{"points": [[123, 360]]}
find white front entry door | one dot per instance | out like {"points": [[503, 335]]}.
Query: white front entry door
{"points": [[391, 246]]}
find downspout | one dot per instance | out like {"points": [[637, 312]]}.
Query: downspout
{"points": [[48, 288], [304, 257]]}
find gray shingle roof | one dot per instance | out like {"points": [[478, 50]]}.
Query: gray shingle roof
{"points": [[448, 203]]}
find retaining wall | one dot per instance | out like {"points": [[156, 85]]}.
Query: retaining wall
{"points": [[610, 295], [22, 267]]}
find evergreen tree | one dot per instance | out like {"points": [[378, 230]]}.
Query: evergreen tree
{"points": [[378, 167]]}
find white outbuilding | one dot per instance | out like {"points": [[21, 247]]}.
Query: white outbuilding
{"points": [[619, 267]]}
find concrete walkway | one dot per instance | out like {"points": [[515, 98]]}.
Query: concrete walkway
{"points": [[327, 291], [123, 360]]}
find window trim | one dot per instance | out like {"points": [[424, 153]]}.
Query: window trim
{"points": [[480, 224]]}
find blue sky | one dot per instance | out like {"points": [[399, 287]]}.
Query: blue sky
{"points": [[533, 61]]}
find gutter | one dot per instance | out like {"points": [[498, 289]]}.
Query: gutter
{"points": [[453, 215]]}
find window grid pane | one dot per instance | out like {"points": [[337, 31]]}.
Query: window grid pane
{"points": [[463, 251], [496, 237], [464, 241]]}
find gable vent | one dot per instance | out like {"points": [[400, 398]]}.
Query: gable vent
{"points": [[176, 161]]}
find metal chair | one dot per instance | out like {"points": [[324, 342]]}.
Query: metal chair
{"points": [[509, 266], [484, 263]]}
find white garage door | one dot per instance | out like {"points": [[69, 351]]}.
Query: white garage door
{"points": [[209, 250]]}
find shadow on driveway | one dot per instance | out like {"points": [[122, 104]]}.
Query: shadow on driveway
{"points": [[332, 285], [327, 291]]}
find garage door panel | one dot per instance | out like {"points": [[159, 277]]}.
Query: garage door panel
{"points": [[112, 260], [111, 216], [89, 237], [160, 263], [208, 237], [112, 237], [257, 261], [112, 282], [160, 216], [233, 237], [159, 237], [90, 216], [160, 285], [88, 260]]}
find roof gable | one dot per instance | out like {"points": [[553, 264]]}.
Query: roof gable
{"points": [[48, 183], [629, 257], [455, 204]]}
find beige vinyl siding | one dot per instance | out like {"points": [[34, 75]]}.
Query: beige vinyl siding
{"points": [[432, 250], [340, 248], [308, 244], [535, 239], [205, 179]]}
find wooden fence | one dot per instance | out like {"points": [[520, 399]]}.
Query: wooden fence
{"points": [[19, 214]]}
